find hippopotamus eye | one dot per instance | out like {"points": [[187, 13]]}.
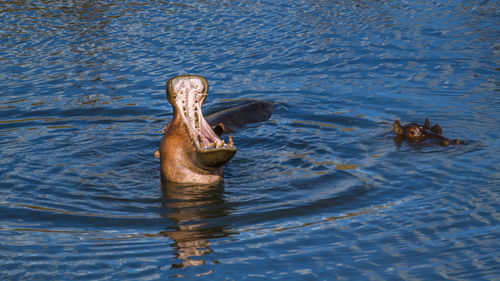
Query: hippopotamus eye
{"points": [[414, 132]]}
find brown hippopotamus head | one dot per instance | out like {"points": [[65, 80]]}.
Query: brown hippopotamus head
{"points": [[417, 133], [190, 151]]}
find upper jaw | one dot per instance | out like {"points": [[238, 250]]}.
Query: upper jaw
{"points": [[187, 93]]}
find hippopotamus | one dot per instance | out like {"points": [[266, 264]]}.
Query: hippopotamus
{"points": [[191, 150], [418, 133]]}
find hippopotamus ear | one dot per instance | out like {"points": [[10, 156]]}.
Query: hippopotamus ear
{"points": [[398, 129], [437, 129], [427, 124]]}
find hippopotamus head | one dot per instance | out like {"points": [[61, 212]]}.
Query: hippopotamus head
{"points": [[190, 151], [417, 133]]}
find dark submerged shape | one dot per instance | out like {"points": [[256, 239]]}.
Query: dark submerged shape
{"points": [[237, 117], [418, 133]]}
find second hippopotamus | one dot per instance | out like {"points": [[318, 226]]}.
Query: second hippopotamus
{"points": [[418, 133]]}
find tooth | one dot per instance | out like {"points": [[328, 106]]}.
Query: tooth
{"points": [[221, 143], [200, 142], [230, 140], [214, 144], [197, 84]]}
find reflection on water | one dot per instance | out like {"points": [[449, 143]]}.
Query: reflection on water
{"points": [[193, 210]]}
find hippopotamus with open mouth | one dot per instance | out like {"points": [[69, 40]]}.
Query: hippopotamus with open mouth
{"points": [[191, 150], [418, 133]]}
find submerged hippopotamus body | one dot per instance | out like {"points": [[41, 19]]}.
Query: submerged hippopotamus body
{"points": [[191, 150], [418, 133]]}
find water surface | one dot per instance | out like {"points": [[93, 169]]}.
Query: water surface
{"points": [[318, 192]]}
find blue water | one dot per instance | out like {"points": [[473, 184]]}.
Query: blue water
{"points": [[318, 192]]}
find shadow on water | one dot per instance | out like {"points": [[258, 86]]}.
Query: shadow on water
{"points": [[195, 211]]}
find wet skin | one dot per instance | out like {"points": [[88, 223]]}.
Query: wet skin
{"points": [[237, 117], [419, 133], [191, 151]]}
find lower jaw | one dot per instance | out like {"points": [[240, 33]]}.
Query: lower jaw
{"points": [[191, 177]]}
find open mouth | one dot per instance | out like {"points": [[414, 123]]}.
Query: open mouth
{"points": [[187, 94]]}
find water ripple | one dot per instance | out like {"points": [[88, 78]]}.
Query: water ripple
{"points": [[319, 191]]}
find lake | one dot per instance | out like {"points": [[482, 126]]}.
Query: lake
{"points": [[320, 191]]}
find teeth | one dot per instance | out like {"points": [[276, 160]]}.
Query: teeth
{"points": [[200, 142], [214, 144], [221, 143], [185, 111], [196, 120], [230, 140]]}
